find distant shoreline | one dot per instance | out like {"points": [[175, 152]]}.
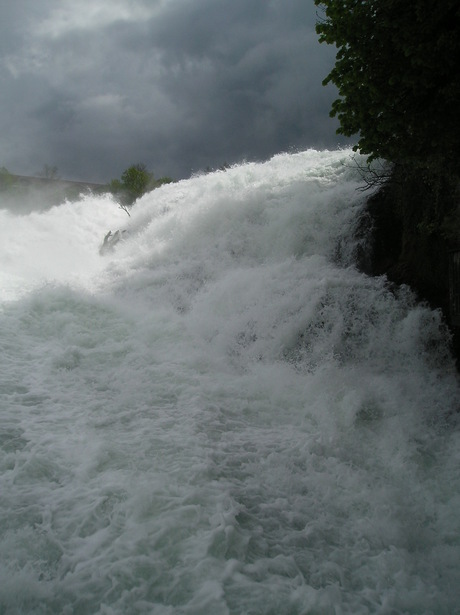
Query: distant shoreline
{"points": [[27, 180]]}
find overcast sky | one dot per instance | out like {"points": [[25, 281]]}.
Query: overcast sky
{"points": [[93, 86]]}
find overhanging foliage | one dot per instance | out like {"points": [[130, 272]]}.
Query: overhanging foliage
{"points": [[398, 78]]}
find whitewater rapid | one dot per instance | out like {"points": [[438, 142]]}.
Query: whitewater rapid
{"points": [[222, 415]]}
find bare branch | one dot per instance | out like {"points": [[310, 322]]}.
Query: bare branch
{"points": [[373, 174]]}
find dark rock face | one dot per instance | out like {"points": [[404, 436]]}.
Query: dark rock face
{"points": [[414, 225]]}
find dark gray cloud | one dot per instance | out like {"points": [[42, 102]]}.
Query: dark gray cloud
{"points": [[93, 86]]}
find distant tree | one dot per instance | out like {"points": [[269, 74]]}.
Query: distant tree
{"points": [[115, 186], [163, 180], [6, 179], [49, 172], [223, 167], [135, 181], [397, 74]]}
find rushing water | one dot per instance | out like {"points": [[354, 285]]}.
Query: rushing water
{"points": [[222, 415]]}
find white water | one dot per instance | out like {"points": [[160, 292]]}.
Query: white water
{"points": [[222, 416]]}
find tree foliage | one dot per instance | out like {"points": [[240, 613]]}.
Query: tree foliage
{"points": [[6, 179], [49, 172], [397, 75], [135, 181]]}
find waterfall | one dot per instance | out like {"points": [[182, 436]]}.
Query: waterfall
{"points": [[221, 414]]}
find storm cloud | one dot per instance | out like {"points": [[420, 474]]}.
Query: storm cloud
{"points": [[180, 85]]}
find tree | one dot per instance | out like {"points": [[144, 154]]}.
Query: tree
{"points": [[49, 172], [6, 179], [397, 75], [134, 182]]}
